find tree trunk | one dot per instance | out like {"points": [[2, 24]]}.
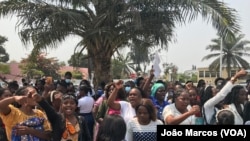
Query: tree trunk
{"points": [[102, 67]]}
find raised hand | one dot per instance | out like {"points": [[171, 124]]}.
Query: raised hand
{"points": [[240, 73], [152, 71], [118, 84]]}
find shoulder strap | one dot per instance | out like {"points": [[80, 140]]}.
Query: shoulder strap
{"points": [[203, 114]]}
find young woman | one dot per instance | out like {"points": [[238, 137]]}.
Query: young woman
{"points": [[127, 109], [143, 126], [235, 101], [158, 93], [66, 125], [209, 107], [30, 124]]}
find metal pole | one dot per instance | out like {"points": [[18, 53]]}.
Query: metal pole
{"points": [[221, 47]]}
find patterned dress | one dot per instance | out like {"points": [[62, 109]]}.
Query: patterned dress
{"points": [[16, 117], [138, 132]]}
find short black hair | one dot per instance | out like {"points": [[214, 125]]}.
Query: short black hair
{"points": [[68, 73], [219, 85], [225, 117]]}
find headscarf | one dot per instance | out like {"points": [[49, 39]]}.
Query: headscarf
{"points": [[155, 87]]}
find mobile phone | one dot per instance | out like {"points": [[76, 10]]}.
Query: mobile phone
{"points": [[49, 80]]}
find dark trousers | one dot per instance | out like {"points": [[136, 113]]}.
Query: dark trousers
{"points": [[3, 136], [90, 122]]}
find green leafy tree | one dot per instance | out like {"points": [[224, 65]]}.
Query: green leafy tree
{"points": [[171, 69], [39, 65], [4, 56], [78, 60], [233, 52], [182, 77], [77, 75], [4, 68], [106, 25]]}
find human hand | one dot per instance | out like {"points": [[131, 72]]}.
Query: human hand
{"points": [[240, 73], [118, 84], [22, 130], [21, 99], [152, 71], [195, 109]]}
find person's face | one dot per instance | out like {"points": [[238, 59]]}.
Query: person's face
{"points": [[6, 94], [189, 85], [30, 101], [143, 115], [242, 95], [68, 106], [183, 100], [134, 97], [170, 86], [215, 91], [110, 90], [160, 93], [67, 77], [57, 100], [39, 85], [192, 95]]}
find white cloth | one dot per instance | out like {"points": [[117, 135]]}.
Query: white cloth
{"points": [[156, 65], [237, 118], [127, 111], [209, 105], [144, 132], [172, 110], [86, 104]]}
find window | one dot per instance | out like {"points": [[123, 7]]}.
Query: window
{"points": [[213, 74], [201, 73], [207, 73], [217, 74]]}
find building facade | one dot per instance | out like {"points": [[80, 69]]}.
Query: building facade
{"points": [[210, 76]]}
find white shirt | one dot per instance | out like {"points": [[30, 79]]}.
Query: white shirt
{"points": [[127, 111], [86, 104], [209, 105], [172, 110], [237, 118]]}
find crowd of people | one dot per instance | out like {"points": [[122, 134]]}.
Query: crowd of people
{"points": [[117, 111]]}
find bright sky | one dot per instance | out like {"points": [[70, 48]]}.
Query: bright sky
{"points": [[189, 49]]}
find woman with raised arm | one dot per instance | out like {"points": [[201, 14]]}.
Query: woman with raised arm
{"points": [[209, 108], [66, 125], [127, 108], [25, 121]]}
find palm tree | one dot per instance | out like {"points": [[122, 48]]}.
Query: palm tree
{"points": [[140, 53], [106, 25], [233, 52], [4, 56], [124, 64]]}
